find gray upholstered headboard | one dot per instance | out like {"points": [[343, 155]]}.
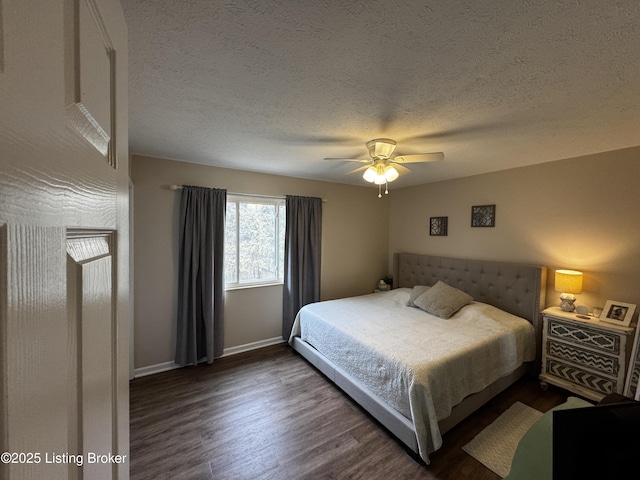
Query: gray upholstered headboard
{"points": [[517, 289]]}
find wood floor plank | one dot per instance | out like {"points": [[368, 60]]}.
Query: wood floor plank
{"points": [[268, 414]]}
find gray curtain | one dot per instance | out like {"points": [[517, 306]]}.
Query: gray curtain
{"points": [[303, 237], [200, 270]]}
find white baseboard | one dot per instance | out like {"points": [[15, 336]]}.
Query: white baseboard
{"points": [[151, 369], [165, 367], [252, 346]]}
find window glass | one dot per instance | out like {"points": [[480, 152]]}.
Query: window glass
{"points": [[254, 241]]}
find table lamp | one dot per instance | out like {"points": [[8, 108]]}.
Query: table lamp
{"points": [[568, 282]]}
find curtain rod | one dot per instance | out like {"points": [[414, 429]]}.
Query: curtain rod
{"points": [[179, 187]]}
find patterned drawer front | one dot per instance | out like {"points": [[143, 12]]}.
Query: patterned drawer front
{"points": [[595, 360], [581, 377], [583, 335], [633, 383], [635, 375]]}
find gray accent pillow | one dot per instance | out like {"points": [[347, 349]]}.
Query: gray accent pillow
{"points": [[442, 300], [415, 293]]}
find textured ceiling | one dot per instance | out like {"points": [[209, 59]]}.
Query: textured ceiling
{"points": [[276, 86]]}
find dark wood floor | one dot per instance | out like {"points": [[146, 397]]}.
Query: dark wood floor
{"points": [[268, 414]]}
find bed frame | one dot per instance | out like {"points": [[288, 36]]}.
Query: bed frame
{"points": [[517, 289]]}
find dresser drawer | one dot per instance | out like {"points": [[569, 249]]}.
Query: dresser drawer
{"points": [[583, 335], [581, 377], [634, 375], [588, 358]]}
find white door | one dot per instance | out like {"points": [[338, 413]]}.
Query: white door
{"points": [[64, 240]]}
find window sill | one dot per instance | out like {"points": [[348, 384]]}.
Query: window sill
{"points": [[253, 285]]}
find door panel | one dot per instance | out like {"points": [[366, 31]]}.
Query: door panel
{"points": [[90, 70], [33, 374], [64, 238], [91, 327]]}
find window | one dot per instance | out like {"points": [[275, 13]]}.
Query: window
{"points": [[254, 241]]}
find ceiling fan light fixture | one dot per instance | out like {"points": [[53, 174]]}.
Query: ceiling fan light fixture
{"points": [[381, 147], [370, 174], [380, 174], [383, 169], [390, 173], [381, 178]]}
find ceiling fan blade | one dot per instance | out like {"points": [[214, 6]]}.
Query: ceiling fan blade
{"points": [[419, 158], [401, 169], [350, 159], [315, 139], [359, 169]]}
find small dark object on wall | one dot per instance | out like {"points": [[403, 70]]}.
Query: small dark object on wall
{"points": [[438, 226], [483, 216]]}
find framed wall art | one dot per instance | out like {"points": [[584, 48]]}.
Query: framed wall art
{"points": [[618, 313], [438, 226], [483, 216]]}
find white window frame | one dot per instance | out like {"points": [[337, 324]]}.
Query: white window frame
{"points": [[279, 202]]}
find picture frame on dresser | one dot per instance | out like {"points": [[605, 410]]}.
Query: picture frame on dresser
{"points": [[618, 313], [631, 389]]}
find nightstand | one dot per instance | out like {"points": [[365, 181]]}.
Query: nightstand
{"points": [[585, 356], [378, 289]]}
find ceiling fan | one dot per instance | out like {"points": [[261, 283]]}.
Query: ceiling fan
{"points": [[383, 169]]}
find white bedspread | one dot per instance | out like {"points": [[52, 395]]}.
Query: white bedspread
{"points": [[419, 364]]}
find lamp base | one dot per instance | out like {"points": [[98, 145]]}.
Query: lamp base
{"points": [[567, 302]]}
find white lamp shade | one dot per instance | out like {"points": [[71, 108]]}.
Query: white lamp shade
{"points": [[390, 173], [568, 281], [370, 174], [379, 173], [380, 178]]}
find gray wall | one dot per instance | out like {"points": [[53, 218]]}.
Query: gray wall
{"points": [[581, 213], [354, 252]]}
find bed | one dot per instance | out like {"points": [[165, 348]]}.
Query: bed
{"points": [[391, 357]]}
